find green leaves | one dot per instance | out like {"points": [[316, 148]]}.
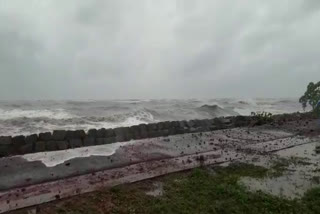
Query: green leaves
{"points": [[311, 96], [262, 117]]}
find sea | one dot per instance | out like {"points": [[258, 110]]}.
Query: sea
{"points": [[28, 117]]}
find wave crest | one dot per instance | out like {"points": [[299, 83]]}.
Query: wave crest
{"points": [[217, 111], [19, 113]]}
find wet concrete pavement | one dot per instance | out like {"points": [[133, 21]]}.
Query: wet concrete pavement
{"points": [[60, 174], [33, 168], [301, 171]]}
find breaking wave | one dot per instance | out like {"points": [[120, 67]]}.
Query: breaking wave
{"points": [[217, 111], [34, 117], [18, 113]]}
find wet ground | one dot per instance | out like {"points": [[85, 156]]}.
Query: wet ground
{"points": [[299, 171], [288, 150]]}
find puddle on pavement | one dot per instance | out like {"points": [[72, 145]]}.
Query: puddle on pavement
{"points": [[301, 174], [157, 191], [291, 185], [304, 151]]}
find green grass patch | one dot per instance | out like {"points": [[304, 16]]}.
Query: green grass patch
{"points": [[281, 165], [199, 191]]}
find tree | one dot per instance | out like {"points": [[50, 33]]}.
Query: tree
{"points": [[311, 96]]}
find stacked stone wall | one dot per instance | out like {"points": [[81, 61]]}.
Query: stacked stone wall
{"points": [[63, 139]]}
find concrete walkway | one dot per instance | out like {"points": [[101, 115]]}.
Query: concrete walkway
{"points": [[41, 177]]}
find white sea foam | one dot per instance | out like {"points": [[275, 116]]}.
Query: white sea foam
{"points": [[54, 158], [18, 113]]}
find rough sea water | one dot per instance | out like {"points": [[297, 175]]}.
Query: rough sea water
{"points": [[26, 117]]}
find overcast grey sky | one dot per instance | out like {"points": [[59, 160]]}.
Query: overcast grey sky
{"points": [[108, 49]]}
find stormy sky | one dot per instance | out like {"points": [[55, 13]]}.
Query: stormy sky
{"points": [[118, 49]]}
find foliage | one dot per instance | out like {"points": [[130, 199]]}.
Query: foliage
{"points": [[311, 96], [262, 117]]}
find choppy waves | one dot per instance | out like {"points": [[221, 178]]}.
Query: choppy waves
{"points": [[46, 120], [19, 113], [34, 117]]}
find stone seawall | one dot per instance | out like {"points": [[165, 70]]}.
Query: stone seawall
{"points": [[62, 139]]}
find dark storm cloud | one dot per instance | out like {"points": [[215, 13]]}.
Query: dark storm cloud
{"points": [[156, 49]]}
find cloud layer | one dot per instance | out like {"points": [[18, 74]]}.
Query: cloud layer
{"points": [[80, 49]]}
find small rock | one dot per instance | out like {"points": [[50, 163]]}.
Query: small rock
{"points": [[18, 140], [59, 135], [40, 146], [88, 141], [31, 139], [75, 143], [51, 146], [5, 140], [45, 136], [62, 145]]}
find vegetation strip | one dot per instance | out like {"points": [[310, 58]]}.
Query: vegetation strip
{"points": [[203, 190]]}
